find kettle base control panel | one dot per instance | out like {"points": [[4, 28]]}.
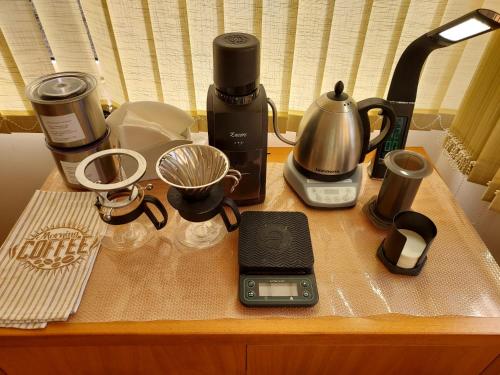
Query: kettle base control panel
{"points": [[316, 193]]}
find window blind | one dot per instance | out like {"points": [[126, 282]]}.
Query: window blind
{"points": [[161, 50]]}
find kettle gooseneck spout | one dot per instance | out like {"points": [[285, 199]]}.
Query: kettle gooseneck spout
{"points": [[275, 124]]}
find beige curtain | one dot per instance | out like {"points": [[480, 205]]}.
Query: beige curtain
{"points": [[161, 50], [474, 137], [492, 193]]}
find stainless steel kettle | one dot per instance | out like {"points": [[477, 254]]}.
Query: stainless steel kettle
{"points": [[334, 135]]}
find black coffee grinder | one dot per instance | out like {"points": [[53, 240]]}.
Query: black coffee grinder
{"points": [[237, 113]]}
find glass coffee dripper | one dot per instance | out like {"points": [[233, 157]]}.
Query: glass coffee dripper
{"points": [[195, 174], [121, 201]]}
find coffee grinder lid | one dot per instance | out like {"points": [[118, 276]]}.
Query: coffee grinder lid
{"points": [[236, 63]]}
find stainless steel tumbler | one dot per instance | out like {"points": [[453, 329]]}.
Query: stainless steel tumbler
{"points": [[68, 108], [67, 160]]}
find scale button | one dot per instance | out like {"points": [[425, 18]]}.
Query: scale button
{"points": [[304, 283], [251, 283], [306, 294], [251, 294]]}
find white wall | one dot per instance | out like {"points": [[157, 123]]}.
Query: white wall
{"points": [[25, 162], [468, 194]]}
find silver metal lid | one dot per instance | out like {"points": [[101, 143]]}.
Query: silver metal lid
{"points": [[336, 106], [336, 101], [61, 88]]}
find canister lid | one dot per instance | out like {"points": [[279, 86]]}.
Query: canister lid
{"points": [[61, 88], [236, 63]]}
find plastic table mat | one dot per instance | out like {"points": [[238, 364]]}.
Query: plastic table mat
{"points": [[160, 282]]}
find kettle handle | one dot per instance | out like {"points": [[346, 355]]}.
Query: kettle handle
{"points": [[275, 124], [387, 127]]}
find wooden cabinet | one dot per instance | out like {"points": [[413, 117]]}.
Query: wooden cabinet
{"points": [[385, 360], [390, 344], [124, 359]]}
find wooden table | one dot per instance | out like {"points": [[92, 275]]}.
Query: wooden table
{"points": [[387, 344]]}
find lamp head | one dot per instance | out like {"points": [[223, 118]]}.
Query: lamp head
{"points": [[477, 22]]}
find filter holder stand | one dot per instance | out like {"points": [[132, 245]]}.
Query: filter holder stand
{"points": [[108, 194], [205, 209]]}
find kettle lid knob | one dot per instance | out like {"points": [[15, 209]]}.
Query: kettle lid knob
{"points": [[338, 92], [339, 88]]}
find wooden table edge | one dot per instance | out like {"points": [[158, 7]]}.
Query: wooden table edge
{"points": [[381, 327]]}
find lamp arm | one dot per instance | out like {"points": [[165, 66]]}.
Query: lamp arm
{"points": [[404, 82]]}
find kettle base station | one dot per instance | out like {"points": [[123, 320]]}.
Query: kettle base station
{"points": [[332, 141], [314, 193]]}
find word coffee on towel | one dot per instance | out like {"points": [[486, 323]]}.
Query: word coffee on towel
{"points": [[47, 258]]}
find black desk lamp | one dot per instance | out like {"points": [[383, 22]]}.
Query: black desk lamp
{"points": [[404, 83]]}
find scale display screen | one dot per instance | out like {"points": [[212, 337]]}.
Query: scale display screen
{"points": [[278, 289], [289, 290]]}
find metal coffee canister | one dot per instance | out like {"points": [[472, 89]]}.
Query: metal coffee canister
{"points": [[67, 159], [68, 108]]}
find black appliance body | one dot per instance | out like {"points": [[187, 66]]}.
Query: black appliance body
{"points": [[237, 113]]}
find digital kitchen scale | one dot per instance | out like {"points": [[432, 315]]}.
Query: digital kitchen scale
{"points": [[276, 260], [316, 193]]}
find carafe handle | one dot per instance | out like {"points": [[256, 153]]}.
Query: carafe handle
{"points": [[155, 202], [228, 202], [275, 124], [363, 107], [136, 212]]}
